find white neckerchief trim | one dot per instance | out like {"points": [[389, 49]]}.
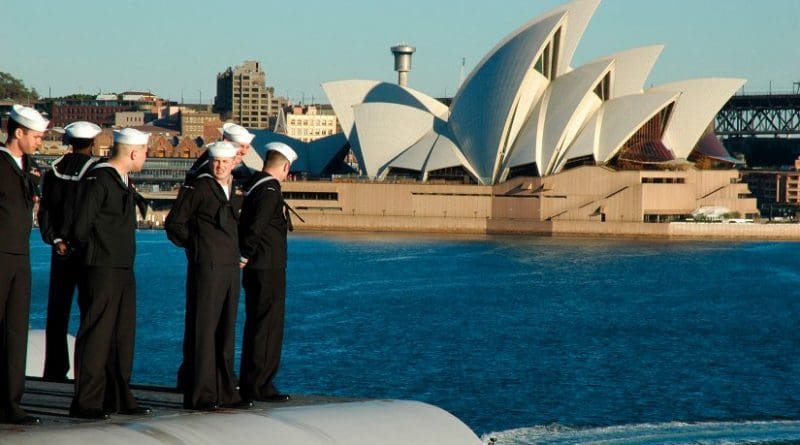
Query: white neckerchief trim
{"points": [[226, 190], [202, 164], [124, 179], [16, 159], [259, 182], [71, 177]]}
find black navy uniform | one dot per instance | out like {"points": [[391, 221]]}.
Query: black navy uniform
{"points": [[17, 194], [264, 224], [105, 227], [204, 221], [55, 216]]}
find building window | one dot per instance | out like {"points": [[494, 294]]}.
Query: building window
{"points": [[663, 180], [661, 218]]}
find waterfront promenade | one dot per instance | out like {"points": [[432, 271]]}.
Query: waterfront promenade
{"points": [[325, 222], [321, 217]]}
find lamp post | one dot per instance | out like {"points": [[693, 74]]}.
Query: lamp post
{"points": [[200, 92]]}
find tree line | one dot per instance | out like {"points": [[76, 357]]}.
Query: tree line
{"points": [[14, 89]]}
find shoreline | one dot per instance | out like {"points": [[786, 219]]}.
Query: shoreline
{"points": [[688, 231]]}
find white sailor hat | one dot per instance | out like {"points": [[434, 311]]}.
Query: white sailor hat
{"points": [[222, 149], [29, 118], [131, 136], [237, 133], [283, 149], [82, 130]]}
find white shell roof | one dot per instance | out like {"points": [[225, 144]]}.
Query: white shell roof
{"points": [[434, 151], [532, 89], [615, 122], [631, 69], [445, 153], [508, 114], [495, 85], [588, 140], [385, 130], [579, 13], [526, 147], [415, 156], [699, 102], [563, 109], [344, 94]]}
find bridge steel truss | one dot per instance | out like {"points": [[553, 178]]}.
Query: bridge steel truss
{"points": [[760, 115]]}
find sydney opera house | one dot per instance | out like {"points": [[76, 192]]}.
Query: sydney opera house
{"points": [[528, 140]]}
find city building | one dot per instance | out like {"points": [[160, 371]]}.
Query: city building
{"points": [[101, 114], [777, 190], [103, 108], [193, 123], [243, 97], [129, 118], [307, 122]]}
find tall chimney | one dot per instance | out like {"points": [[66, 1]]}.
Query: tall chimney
{"points": [[402, 62]]}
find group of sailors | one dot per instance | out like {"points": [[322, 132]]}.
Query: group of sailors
{"points": [[232, 223]]}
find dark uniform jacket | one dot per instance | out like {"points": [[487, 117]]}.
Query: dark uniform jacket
{"points": [[264, 226], [17, 194], [205, 222], [105, 224], [60, 196]]}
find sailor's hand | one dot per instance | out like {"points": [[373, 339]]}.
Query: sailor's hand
{"points": [[62, 248]]}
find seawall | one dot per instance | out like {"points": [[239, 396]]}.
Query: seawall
{"points": [[465, 225]]}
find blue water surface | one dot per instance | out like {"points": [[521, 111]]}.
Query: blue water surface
{"points": [[515, 332]]}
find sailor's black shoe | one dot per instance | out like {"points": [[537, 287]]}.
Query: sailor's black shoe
{"points": [[275, 398], [138, 411], [244, 404], [26, 420], [208, 406], [91, 414]]}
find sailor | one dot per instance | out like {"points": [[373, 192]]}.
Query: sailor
{"points": [[265, 221], [240, 138], [104, 230], [25, 130], [204, 221], [59, 196]]}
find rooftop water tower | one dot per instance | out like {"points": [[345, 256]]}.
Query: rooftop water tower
{"points": [[402, 62]]}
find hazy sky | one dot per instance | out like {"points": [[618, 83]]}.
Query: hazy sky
{"points": [[177, 47]]}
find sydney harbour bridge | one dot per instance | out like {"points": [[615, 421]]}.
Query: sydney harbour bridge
{"points": [[765, 128]]}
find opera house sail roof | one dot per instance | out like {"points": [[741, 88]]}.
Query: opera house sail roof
{"points": [[525, 110]]}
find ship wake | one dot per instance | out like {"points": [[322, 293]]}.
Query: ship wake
{"points": [[703, 433]]}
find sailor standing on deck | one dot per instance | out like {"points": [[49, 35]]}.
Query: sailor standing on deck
{"points": [[239, 137], [25, 129], [59, 196], [265, 221], [105, 227], [204, 221]]}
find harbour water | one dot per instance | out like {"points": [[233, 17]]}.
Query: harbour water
{"points": [[527, 340]]}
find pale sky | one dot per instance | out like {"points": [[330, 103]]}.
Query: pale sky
{"points": [[177, 47]]}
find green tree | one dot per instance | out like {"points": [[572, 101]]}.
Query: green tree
{"points": [[12, 88]]}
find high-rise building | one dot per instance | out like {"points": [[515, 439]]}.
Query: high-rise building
{"points": [[244, 98]]}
